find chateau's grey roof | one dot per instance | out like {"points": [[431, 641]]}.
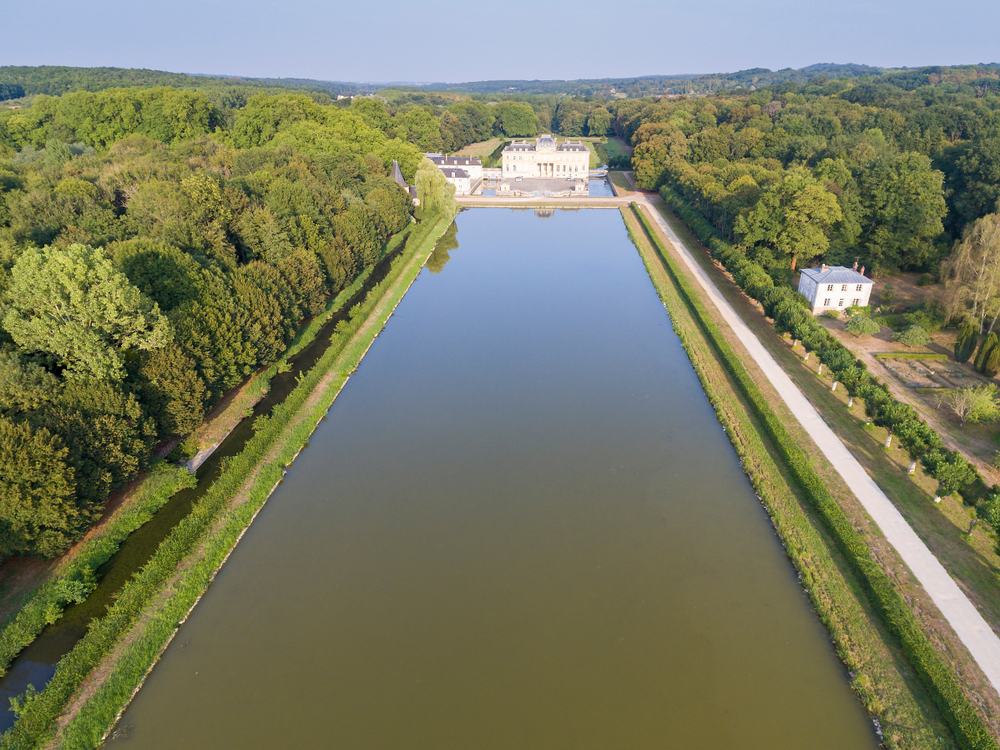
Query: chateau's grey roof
{"points": [[835, 275], [454, 161], [454, 173], [545, 143]]}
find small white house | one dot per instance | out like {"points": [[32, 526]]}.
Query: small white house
{"points": [[834, 287], [459, 178]]}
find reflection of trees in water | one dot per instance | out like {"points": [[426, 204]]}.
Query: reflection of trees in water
{"points": [[440, 257]]}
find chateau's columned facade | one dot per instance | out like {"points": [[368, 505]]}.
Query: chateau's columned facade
{"points": [[543, 159]]}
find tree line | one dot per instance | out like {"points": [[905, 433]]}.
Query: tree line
{"points": [[152, 256], [795, 174]]}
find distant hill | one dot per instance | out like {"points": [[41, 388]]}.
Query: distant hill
{"points": [[55, 80], [17, 81], [664, 84]]}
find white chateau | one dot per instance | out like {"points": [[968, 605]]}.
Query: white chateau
{"points": [[543, 159], [835, 287]]}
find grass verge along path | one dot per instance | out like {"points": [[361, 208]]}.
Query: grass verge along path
{"points": [[966, 724], [107, 666]]}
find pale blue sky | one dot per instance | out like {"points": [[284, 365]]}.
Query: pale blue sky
{"points": [[456, 40]]}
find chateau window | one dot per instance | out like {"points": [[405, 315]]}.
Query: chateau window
{"points": [[829, 287], [826, 302]]}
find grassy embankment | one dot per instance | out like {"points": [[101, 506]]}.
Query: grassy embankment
{"points": [[73, 577], [98, 677], [902, 705], [621, 183], [970, 558]]}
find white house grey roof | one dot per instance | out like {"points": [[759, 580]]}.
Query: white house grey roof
{"points": [[454, 173], [835, 275]]}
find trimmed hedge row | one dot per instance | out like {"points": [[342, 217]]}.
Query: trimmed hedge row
{"points": [[40, 710], [969, 728], [910, 355]]}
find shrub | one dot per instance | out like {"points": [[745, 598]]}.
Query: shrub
{"points": [[984, 351], [965, 344], [860, 325], [929, 320], [925, 280], [888, 294], [913, 335], [834, 314]]}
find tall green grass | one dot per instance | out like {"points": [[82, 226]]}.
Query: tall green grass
{"points": [[76, 580]]}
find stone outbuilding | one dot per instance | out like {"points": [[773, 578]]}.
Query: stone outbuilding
{"points": [[459, 178], [835, 287]]}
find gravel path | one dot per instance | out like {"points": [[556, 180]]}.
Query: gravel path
{"points": [[972, 629]]}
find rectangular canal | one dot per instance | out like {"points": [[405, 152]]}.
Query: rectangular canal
{"points": [[521, 526]]}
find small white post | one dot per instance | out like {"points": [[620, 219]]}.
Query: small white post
{"points": [[806, 358], [820, 370], [834, 386], [850, 401], [888, 440], [913, 467]]}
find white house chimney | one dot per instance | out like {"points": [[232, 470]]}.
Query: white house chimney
{"points": [[825, 268]]}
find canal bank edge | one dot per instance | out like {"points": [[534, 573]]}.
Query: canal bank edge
{"points": [[102, 673], [905, 719], [72, 577], [968, 727]]}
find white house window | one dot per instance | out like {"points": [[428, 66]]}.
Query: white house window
{"points": [[826, 302], [855, 302], [840, 303], [859, 287], [829, 287], [843, 288]]}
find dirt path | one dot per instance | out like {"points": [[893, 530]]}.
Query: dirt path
{"points": [[971, 628]]}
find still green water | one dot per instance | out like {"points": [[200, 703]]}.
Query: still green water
{"points": [[521, 526]]}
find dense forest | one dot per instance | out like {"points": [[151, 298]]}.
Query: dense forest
{"points": [[158, 243], [154, 252], [889, 171]]}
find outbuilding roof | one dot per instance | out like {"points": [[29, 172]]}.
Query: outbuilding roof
{"points": [[454, 173], [835, 275], [397, 175], [454, 161]]}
